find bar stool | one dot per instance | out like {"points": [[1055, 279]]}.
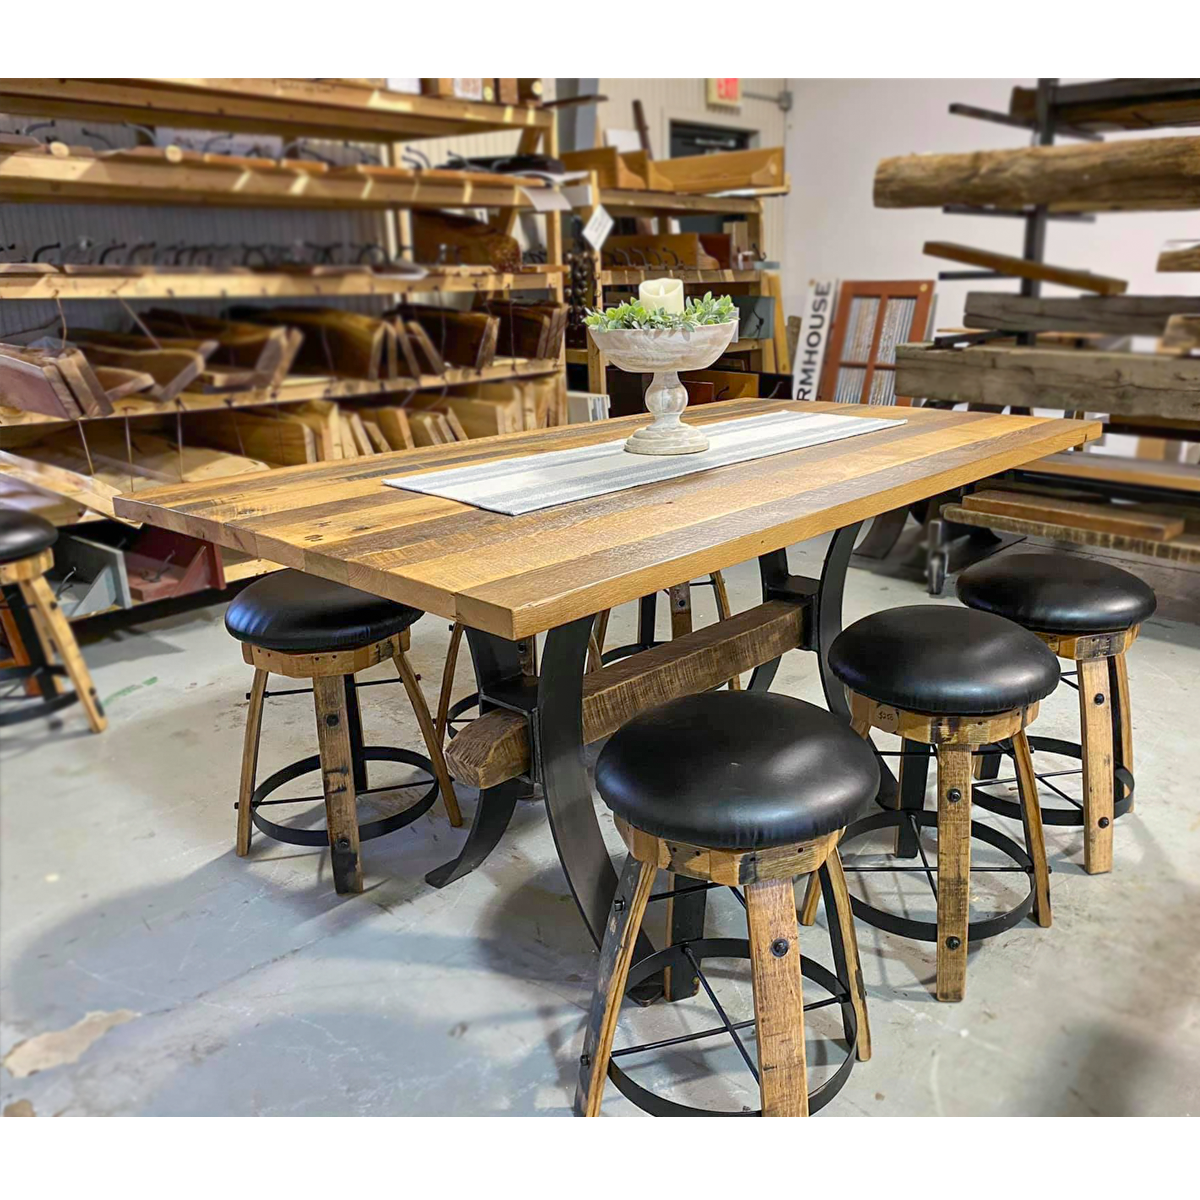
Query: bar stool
{"points": [[744, 790], [1088, 612], [303, 627], [948, 681], [41, 630]]}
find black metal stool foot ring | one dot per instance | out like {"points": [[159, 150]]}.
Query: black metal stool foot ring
{"points": [[701, 948], [32, 707], [1122, 787], [366, 831], [926, 931]]}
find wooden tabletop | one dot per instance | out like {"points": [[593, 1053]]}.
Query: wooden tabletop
{"points": [[516, 576]]}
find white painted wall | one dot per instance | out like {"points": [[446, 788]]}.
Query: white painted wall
{"points": [[838, 131]]}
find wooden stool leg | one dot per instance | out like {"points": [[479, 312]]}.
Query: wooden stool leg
{"points": [[724, 612], [812, 896], [1095, 719], [341, 809], [845, 944], [954, 870], [421, 710], [447, 689], [778, 997], [1118, 682], [1031, 819], [250, 760], [616, 955], [910, 792], [41, 601]]}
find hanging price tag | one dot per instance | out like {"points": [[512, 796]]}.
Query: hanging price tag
{"points": [[596, 231]]}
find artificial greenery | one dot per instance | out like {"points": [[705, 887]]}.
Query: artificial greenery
{"points": [[706, 311]]}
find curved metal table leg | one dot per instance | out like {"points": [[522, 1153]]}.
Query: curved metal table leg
{"points": [[493, 811], [496, 661], [558, 747]]}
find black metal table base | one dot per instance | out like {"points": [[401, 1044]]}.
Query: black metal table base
{"points": [[685, 957], [28, 707], [1123, 784], [926, 931], [366, 831]]}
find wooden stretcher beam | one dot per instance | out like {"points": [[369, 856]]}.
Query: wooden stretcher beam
{"points": [[496, 746]]}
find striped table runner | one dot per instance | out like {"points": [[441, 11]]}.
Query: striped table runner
{"points": [[522, 485]]}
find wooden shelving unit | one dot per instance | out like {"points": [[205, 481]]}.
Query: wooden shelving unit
{"points": [[288, 107], [336, 110], [297, 390], [1003, 366], [745, 205], [268, 285], [46, 178]]}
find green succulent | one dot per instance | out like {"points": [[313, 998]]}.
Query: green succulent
{"points": [[705, 311]]}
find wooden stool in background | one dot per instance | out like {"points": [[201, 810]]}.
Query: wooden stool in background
{"points": [[302, 627], [39, 623]]}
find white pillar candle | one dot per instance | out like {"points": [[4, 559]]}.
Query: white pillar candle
{"points": [[666, 294]]}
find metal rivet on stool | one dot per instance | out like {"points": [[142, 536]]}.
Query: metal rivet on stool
{"points": [[1098, 698], [331, 719], [343, 843], [779, 947], [1103, 822], [954, 795], [618, 905], [585, 1060], [953, 943]]}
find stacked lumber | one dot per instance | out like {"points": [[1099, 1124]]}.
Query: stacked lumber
{"points": [[659, 251], [346, 345], [267, 353], [442, 237], [57, 382], [696, 175], [459, 338], [1162, 531], [90, 476], [529, 330]]}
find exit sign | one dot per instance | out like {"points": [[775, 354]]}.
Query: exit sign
{"points": [[726, 93]]}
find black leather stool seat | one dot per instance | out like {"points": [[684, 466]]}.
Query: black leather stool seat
{"points": [[1054, 594], [737, 770], [302, 614], [929, 658], [24, 534]]}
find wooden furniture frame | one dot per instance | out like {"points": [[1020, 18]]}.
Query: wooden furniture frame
{"points": [[507, 579], [342, 757], [768, 877], [45, 633], [955, 741]]}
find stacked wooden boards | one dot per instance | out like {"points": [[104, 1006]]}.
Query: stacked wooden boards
{"points": [[1022, 356], [693, 175]]}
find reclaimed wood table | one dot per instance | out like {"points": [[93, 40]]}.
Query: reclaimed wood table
{"points": [[509, 579]]}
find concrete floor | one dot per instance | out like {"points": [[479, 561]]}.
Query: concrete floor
{"points": [[246, 987]]}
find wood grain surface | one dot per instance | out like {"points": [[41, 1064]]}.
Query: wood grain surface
{"points": [[516, 576]]}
